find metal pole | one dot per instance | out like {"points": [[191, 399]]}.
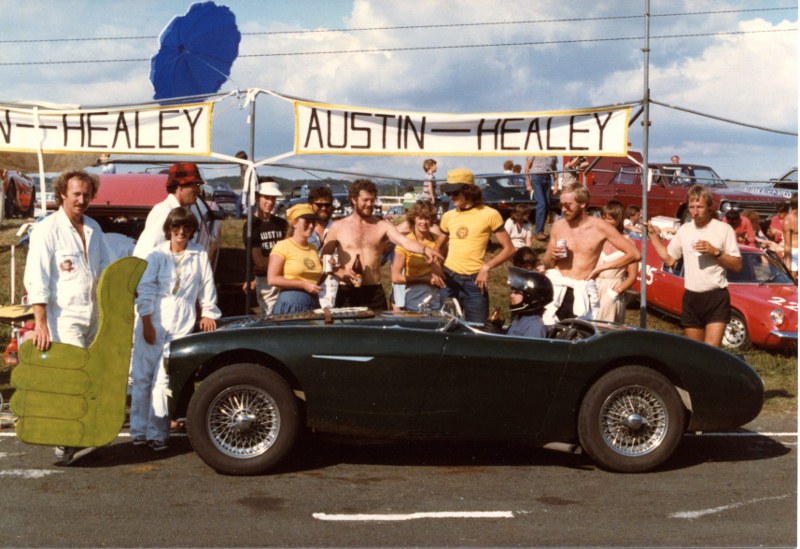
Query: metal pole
{"points": [[246, 201], [645, 166]]}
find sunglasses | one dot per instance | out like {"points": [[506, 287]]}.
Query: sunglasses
{"points": [[453, 193], [181, 229], [323, 204]]}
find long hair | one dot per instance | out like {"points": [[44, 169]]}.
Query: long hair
{"points": [[616, 211]]}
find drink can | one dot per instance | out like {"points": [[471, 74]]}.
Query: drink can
{"points": [[561, 247], [326, 263], [694, 250]]}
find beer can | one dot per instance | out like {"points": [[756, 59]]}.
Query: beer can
{"points": [[561, 247], [326, 263]]}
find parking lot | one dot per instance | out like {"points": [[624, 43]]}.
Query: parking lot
{"points": [[721, 489]]}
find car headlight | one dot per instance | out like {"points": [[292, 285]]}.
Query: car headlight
{"points": [[724, 206], [776, 316]]}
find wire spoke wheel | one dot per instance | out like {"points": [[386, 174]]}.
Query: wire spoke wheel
{"points": [[633, 421], [243, 421]]}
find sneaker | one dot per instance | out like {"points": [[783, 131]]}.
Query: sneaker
{"points": [[139, 440], [65, 454], [157, 445]]}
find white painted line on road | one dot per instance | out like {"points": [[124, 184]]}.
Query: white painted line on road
{"points": [[4, 455], [29, 473], [412, 516], [691, 515], [743, 434]]}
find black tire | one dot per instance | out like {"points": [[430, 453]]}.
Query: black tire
{"points": [[243, 420], [11, 201], [736, 336], [631, 420]]}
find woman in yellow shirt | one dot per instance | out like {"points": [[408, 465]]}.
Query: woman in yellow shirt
{"points": [[422, 280], [294, 264]]}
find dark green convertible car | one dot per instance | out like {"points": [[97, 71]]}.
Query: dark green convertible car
{"points": [[623, 395]]}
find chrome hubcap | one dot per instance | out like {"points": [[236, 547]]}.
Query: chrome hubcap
{"points": [[243, 421], [633, 421]]}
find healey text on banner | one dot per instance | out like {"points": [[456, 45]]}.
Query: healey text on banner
{"points": [[174, 129], [331, 129]]}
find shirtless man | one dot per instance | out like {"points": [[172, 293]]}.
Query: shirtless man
{"points": [[573, 268], [363, 234], [789, 226]]}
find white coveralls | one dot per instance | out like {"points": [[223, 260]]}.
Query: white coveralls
{"points": [[168, 294], [153, 233], [59, 274]]}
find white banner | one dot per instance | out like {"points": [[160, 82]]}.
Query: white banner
{"points": [[331, 129], [174, 129]]}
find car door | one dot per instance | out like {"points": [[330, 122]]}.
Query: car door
{"points": [[368, 379], [493, 386]]}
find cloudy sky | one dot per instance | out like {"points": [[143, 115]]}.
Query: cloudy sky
{"points": [[732, 59]]}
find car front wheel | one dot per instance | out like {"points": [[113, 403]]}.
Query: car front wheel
{"points": [[243, 420], [736, 337], [631, 420]]}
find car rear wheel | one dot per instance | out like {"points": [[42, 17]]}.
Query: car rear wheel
{"points": [[736, 337], [11, 201], [631, 420], [243, 420]]}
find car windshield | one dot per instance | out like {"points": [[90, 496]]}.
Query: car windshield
{"points": [[505, 181], [759, 268], [686, 176]]}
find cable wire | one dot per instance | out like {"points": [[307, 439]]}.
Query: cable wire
{"points": [[414, 27], [413, 48]]}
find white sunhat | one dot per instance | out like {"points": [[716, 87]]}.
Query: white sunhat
{"points": [[269, 188]]}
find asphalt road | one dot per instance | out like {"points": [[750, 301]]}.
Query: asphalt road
{"points": [[734, 489]]}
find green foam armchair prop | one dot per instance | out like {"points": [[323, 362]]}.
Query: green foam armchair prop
{"points": [[70, 396]]}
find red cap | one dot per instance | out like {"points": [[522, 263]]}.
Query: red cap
{"points": [[184, 173]]}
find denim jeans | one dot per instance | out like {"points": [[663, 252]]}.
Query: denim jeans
{"points": [[473, 301], [541, 193], [295, 301]]}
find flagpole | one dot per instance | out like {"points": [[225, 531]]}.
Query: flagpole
{"points": [[645, 179]]}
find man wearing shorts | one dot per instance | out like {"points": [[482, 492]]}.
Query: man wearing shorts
{"points": [[709, 249]]}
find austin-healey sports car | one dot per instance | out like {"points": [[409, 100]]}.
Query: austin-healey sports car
{"points": [[623, 395]]}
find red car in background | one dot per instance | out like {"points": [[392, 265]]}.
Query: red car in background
{"points": [[763, 299], [19, 192]]}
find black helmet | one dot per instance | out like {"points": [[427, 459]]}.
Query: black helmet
{"points": [[536, 289]]}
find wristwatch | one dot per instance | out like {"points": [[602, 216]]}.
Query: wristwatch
{"points": [[718, 254]]}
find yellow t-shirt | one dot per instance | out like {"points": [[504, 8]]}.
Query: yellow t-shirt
{"points": [[416, 264], [300, 263], [469, 233]]}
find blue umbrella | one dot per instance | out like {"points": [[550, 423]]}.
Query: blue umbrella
{"points": [[197, 52]]}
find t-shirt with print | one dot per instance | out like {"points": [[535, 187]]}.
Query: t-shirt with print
{"points": [[300, 262], [703, 272], [265, 234], [469, 232]]}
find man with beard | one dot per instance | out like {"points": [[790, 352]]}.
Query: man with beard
{"points": [[709, 249], [363, 235], [576, 241]]}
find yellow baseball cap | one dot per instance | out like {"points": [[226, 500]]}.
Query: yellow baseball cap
{"points": [[300, 210], [456, 179]]}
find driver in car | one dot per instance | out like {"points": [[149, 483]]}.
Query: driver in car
{"points": [[530, 292]]}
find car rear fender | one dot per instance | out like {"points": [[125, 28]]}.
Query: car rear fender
{"points": [[556, 430]]}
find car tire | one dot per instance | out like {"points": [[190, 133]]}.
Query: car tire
{"points": [[11, 201], [631, 420], [736, 336], [243, 419]]}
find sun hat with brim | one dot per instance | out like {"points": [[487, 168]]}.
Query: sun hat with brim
{"points": [[456, 179], [268, 188], [184, 173], [304, 210]]}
